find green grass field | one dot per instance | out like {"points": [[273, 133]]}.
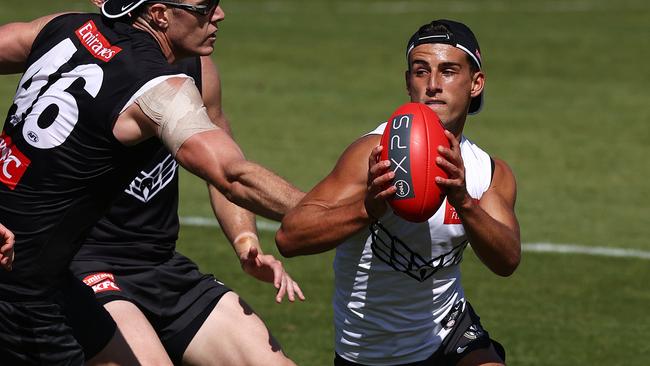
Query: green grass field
{"points": [[567, 106]]}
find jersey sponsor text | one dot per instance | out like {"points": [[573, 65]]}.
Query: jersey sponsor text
{"points": [[13, 163], [95, 42], [451, 216], [101, 282]]}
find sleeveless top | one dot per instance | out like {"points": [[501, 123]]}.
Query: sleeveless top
{"points": [[61, 164], [397, 286], [142, 223]]}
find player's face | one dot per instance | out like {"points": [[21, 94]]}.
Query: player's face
{"points": [[440, 77], [192, 33]]}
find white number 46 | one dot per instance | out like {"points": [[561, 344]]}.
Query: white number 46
{"points": [[50, 115]]}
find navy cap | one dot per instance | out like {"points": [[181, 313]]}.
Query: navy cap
{"points": [[458, 35], [119, 8]]}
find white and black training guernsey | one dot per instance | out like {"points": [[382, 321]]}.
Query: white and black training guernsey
{"points": [[60, 164], [142, 223], [393, 302]]}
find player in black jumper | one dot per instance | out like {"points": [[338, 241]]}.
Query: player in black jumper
{"points": [[159, 299], [84, 121]]}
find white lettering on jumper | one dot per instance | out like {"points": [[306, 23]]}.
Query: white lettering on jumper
{"points": [[13, 163], [95, 42]]}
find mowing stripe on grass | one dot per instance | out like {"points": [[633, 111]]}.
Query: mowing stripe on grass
{"points": [[264, 225]]}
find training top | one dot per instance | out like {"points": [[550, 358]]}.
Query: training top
{"points": [[142, 224], [394, 302], [60, 164]]}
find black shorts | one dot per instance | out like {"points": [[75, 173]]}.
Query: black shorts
{"points": [[467, 335], [44, 333], [174, 296]]}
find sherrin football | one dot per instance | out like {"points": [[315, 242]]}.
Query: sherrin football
{"points": [[410, 141]]}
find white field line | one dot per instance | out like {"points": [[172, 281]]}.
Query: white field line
{"points": [[264, 225]]}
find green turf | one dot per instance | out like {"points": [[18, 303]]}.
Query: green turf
{"points": [[566, 106]]}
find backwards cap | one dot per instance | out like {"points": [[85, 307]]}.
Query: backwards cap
{"points": [[458, 35], [119, 8]]}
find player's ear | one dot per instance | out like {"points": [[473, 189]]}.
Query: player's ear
{"points": [[478, 82], [158, 16], [407, 82], [97, 3]]}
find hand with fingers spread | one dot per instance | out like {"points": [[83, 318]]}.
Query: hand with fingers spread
{"points": [[451, 161], [379, 182], [6, 248], [266, 268]]}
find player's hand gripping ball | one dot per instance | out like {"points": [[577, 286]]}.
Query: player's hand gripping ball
{"points": [[410, 141]]}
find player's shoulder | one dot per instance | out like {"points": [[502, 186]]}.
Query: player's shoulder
{"points": [[52, 23], [354, 158], [502, 168]]}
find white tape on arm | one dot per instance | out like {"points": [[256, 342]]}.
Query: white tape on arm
{"points": [[177, 110]]}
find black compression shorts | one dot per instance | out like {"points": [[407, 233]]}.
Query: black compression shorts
{"points": [[44, 333], [467, 335], [174, 295]]}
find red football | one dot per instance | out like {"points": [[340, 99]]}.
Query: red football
{"points": [[411, 139]]}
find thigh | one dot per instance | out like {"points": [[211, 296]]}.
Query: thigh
{"points": [[173, 296], [116, 352], [469, 343], [138, 333], [234, 335], [91, 324], [482, 356]]}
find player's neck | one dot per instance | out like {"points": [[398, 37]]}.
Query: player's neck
{"points": [[455, 127], [160, 37]]}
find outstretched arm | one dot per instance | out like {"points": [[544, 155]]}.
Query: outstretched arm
{"points": [[491, 224], [16, 41], [173, 111], [341, 204], [239, 224]]}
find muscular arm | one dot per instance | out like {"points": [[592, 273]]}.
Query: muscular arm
{"points": [[16, 41], [491, 225], [332, 211], [238, 224], [215, 157], [204, 149], [233, 219]]}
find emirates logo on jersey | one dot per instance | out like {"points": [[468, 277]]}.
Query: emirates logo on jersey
{"points": [[101, 282], [95, 42], [13, 164], [451, 216]]}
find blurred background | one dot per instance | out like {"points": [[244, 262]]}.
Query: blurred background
{"points": [[566, 105]]}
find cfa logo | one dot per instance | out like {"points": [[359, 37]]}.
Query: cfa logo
{"points": [[13, 163]]}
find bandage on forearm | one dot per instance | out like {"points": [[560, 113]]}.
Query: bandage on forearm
{"points": [[177, 110], [246, 234]]}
